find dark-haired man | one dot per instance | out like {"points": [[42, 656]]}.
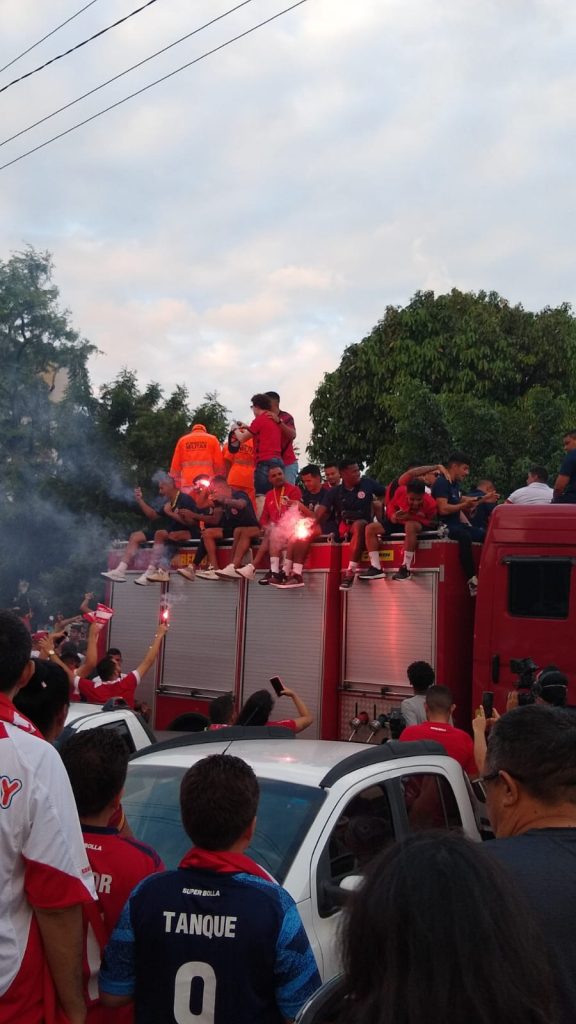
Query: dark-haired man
{"points": [[421, 678], [565, 484], [267, 435], [217, 940], [536, 491], [313, 489], [286, 423], [236, 520], [530, 782], [111, 681], [410, 510], [332, 474], [457, 743], [452, 509], [44, 874], [352, 504], [97, 762]]}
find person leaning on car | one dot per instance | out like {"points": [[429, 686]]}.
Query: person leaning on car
{"points": [[218, 939]]}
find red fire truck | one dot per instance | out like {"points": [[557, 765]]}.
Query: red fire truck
{"points": [[346, 653]]}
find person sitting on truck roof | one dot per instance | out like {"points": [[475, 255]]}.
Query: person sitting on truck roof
{"points": [[421, 677], [480, 516], [536, 491], [411, 510], [169, 529], [530, 783], [565, 485], [457, 743], [352, 505], [112, 683], [258, 708], [452, 506]]}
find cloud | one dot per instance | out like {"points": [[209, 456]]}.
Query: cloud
{"points": [[237, 226]]}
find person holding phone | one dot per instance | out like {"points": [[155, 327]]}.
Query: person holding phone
{"points": [[258, 708]]}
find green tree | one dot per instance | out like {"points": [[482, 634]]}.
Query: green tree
{"points": [[214, 415], [459, 370]]}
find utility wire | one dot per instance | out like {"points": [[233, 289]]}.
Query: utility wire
{"points": [[47, 36], [79, 46], [90, 92], [145, 88]]}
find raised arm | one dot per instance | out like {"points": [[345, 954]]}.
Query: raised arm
{"points": [[92, 659], [152, 653], [144, 507], [421, 471], [305, 717]]}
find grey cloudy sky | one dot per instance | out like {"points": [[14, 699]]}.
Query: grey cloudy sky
{"points": [[235, 227]]}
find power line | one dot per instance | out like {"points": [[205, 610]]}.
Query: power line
{"points": [[47, 36], [145, 88], [78, 46], [97, 88]]}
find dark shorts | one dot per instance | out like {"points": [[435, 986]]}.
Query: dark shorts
{"points": [[261, 483]]}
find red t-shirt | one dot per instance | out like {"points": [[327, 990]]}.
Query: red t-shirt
{"points": [[99, 693], [457, 743], [274, 504], [285, 723], [267, 438], [399, 503], [288, 454], [119, 863]]}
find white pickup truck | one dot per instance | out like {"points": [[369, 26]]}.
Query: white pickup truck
{"points": [[325, 808]]}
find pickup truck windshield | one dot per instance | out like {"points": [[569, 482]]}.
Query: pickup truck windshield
{"points": [[151, 802]]}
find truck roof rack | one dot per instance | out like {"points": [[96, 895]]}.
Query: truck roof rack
{"points": [[225, 735], [390, 751]]}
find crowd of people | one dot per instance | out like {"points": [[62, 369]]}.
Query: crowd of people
{"points": [[96, 929], [251, 492]]}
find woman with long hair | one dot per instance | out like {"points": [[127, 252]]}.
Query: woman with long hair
{"points": [[437, 934], [258, 708]]}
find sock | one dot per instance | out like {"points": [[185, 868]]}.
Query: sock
{"points": [[275, 563], [374, 559], [298, 567], [288, 563], [408, 558], [352, 566], [122, 566]]}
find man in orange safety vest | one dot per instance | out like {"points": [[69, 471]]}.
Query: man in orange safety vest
{"points": [[196, 453]]}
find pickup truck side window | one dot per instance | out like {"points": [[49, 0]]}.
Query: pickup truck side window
{"points": [[539, 588], [430, 802]]}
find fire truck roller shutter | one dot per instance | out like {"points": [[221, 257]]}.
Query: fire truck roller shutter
{"points": [[284, 637], [132, 629], [388, 625], [200, 651]]}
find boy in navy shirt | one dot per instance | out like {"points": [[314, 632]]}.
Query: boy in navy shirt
{"points": [[218, 939], [565, 486], [452, 509]]}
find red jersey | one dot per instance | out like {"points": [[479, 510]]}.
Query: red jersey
{"points": [[267, 438], [457, 743], [285, 723], [99, 693], [399, 503], [119, 863], [276, 503], [288, 454]]}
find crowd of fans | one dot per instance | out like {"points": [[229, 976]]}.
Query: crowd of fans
{"points": [[251, 492]]}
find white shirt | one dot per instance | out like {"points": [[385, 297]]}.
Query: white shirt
{"points": [[536, 493]]}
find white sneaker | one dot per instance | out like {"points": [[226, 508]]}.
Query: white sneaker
{"points": [[208, 574], [115, 575], [158, 576], [229, 573], [473, 586], [247, 571], [142, 580], [188, 572]]}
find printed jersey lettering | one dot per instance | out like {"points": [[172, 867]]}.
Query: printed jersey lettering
{"points": [[212, 926], [8, 789]]}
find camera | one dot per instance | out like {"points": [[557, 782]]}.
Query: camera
{"points": [[395, 721], [526, 669]]}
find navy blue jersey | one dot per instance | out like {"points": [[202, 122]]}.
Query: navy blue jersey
{"points": [[346, 505], [443, 488], [312, 502], [568, 468], [234, 517], [199, 945]]}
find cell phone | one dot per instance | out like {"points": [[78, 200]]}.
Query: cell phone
{"points": [[277, 685], [488, 703]]}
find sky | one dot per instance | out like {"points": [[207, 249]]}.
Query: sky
{"points": [[235, 227]]}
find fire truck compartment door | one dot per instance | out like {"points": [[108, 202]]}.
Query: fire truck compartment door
{"points": [[132, 628], [284, 637], [200, 648], [388, 624]]}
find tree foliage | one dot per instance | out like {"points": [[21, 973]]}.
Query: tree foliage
{"points": [[461, 370], [68, 467]]}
